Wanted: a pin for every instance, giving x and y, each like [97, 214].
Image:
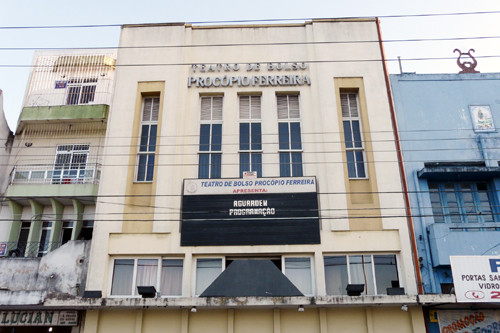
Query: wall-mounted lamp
[300, 308]
[193, 309]
[146, 291]
[355, 289]
[404, 307]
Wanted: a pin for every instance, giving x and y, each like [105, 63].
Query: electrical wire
[251, 21]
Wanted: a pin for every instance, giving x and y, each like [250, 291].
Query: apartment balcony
[69, 88]
[53, 180]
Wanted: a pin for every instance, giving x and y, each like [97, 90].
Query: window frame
[210, 153]
[81, 84]
[157, 286]
[458, 193]
[374, 277]
[147, 153]
[290, 152]
[312, 273]
[251, 120]
[195, 272]
[224, 258]
[350, 119]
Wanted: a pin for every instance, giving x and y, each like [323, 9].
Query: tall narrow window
[290, 142]
[45, 246]
[210, 154]
[353, 135]
[147, 145]
[250, 135]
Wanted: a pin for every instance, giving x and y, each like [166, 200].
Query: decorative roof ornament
[466, 66]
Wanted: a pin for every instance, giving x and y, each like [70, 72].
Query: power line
[265, 61]
[249, 44]
[250, 21]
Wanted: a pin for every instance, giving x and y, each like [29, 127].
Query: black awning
[444, 173]
[251, 278]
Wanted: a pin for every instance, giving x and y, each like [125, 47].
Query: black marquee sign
[260, 211]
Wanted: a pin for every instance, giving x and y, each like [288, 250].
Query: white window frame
[194, 270]
[134, 275]
[211, 122]
[311, 261]
[149, 122]
[289, 120]
[256, 256]
[81, 82]
[251, 120]
[398, 269]
[350, 119]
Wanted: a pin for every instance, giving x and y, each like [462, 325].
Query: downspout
[400, 163]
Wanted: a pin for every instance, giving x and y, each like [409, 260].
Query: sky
[14, 64]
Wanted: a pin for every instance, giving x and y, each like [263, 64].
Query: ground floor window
[376, 272]
[297, 269]
[165, 274]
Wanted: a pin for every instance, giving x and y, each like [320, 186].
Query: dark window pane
[88, 93]
[203, 166]
[356, 132]
[452, 204]
[360, 164]
[73, 95]
[204, 137]
[122, 277]
[151, 167]
[144, 138]
[351, 169]
[347, 134]
[216, 137]
[215, 169]
[283, 136]
[256, 137]
[244, 163]
[285, 165]
[152, 138]
[437, 208]
[386, 272]
[244, 136]
[336, 275]
[295, 136]
[257, 163]
[297, 164]
[141, 169]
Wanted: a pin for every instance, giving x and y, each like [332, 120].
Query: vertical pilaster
[78, 221]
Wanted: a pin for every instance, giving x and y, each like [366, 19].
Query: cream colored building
[250, 176]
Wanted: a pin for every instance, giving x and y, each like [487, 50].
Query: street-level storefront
[38, 321]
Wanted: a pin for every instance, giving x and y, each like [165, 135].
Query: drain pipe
[400, 163]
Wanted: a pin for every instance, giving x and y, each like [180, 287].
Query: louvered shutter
[293, 106]
[206, 108]
[155, 109]
[255, 107]
[282, 107]
[216, 108]
[353, 105]
[146, 110]
[244, 107]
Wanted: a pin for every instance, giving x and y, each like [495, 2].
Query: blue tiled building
[449, 133]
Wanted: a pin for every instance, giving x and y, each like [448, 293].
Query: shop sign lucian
[476, 278]
[261, 211]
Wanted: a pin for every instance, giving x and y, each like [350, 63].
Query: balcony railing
[28, 249]
[55, 174]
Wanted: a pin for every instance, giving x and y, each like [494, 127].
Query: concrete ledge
[232, 302]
